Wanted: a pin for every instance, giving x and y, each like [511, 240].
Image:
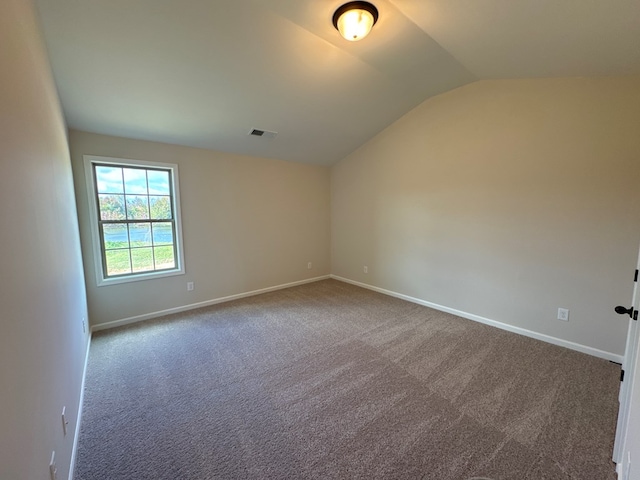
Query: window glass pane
[141, 259]
[117, 262]
[109, 179]
[135, 180]
[164, 257]
[115, 236]
[112, 207]
[137, 207]
[137, 223]
[158, 182]
[160, 207]
[140, 234]
[162, 233]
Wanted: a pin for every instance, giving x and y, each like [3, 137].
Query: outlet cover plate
[53, 468]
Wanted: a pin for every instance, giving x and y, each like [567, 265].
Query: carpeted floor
[328, 380]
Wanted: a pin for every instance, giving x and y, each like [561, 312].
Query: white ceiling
[204, 72]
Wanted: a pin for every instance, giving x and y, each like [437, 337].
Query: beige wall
[248, 223]
[504, 199]
[42, 344]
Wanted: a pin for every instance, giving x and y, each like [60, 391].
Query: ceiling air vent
[262, 133]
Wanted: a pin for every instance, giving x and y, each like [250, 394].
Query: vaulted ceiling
[204, 72]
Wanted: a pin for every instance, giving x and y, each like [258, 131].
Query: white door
[626, 451]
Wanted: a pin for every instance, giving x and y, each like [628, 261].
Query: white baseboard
[504, 326]
[184, 308]
[470, 316]
[76, 435]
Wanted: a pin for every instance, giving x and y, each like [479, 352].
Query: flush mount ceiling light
[354, 20]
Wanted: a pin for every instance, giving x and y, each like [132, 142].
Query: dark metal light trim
[355, 6]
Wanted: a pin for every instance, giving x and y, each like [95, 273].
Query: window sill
[103, 282]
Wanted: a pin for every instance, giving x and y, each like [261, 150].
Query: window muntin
[136, 219]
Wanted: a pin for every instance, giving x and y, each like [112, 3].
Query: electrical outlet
[65, 422]
[563, 314]
[190, 286]
[309, 265]
[53, 468]
[365, 269]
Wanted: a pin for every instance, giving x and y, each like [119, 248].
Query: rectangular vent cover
[262, 133]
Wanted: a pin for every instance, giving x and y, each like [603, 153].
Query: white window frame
[101, 277]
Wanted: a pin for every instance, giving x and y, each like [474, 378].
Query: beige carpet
[328, 380]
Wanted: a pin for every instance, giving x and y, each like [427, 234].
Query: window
[135, 216]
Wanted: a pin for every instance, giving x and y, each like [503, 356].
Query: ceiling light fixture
[354, 20]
